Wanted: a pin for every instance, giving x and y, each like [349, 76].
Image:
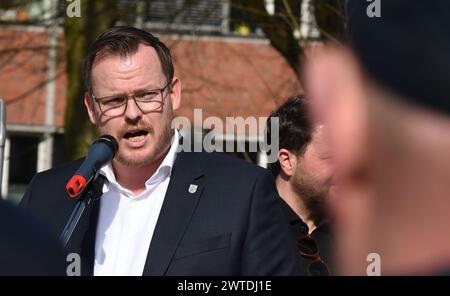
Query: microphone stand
[83, 200]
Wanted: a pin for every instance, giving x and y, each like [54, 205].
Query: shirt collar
[163, 171]
[294, 220]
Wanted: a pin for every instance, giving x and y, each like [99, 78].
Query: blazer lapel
[183, 193]
[82, 240]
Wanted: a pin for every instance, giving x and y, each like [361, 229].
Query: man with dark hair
[162, 212]
[303, 175]
[386, 101]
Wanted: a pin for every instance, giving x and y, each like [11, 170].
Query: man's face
[312, 177]
[142, 137]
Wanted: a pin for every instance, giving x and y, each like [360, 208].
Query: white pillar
[45, 147]
[45, 153]
[5, 175]
[51, 65]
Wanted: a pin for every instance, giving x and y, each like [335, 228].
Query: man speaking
[160, 212]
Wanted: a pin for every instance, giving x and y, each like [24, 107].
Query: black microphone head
[108, 140]
[102, 150]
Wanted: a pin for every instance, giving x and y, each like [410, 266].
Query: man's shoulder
[47, 192]
[222, 163]
[64, 171]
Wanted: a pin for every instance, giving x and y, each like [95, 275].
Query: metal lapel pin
[192, 188]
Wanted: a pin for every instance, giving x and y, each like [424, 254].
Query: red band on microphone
[76, 184]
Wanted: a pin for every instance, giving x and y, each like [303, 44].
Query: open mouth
[135, 136]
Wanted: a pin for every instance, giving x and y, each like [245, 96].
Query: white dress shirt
[127, 221]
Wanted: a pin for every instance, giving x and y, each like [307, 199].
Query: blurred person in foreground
[386, 101]
[162, 211]
[303, 175]
[26, 247]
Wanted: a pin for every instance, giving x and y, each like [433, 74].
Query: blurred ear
[175, 94]
[287, 161]
[89, 107]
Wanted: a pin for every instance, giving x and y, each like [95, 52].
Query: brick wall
[223, 76]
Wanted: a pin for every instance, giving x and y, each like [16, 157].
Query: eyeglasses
[146, 101]
[309, 248]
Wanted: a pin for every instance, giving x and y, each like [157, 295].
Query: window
[22, 164]
[200, 16]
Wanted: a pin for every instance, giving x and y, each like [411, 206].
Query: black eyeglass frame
[125, 98]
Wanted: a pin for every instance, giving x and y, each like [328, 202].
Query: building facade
[227, 68]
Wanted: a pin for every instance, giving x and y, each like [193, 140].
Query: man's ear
[90, 107]
[175, 94]
[287, 161]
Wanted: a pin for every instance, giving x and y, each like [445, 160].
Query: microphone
[102, 150]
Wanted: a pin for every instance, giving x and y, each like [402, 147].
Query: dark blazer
[26, 248]
[231, 225]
